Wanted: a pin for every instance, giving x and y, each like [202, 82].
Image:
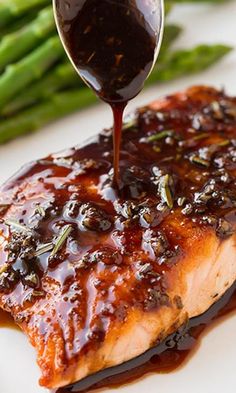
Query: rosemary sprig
[34, 294]
[38, 293]
[200, 136]
[130, 124]
[40, 210]
[3, 268]
[157, 149]
[159, 136]
[43, 248]
[200, 161]
[4, 206]
[18, 226]
[231, 111]
[181, 201]
[165, 191]
[226, 142]
[61, 239]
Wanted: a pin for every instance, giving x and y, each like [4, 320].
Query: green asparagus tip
[184, 62]
[59, 105]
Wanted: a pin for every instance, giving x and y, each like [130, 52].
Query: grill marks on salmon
[96, 277]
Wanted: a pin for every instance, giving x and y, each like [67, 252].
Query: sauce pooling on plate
[113, 45]
[165, 357]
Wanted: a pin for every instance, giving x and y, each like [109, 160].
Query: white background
[213, 368]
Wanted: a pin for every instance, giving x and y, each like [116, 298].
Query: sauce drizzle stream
[113, 45]
[118, 111]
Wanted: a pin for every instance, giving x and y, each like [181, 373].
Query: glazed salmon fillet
[96, 276]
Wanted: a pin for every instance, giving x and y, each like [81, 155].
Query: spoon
[113, 45]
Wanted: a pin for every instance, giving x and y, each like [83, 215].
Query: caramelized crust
[96, 276]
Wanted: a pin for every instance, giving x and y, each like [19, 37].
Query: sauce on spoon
[113, 45]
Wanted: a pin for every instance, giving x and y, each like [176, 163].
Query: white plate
[212, 369]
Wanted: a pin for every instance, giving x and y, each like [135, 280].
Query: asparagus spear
[36, 117]
[168, 6]
[32, 67]
[14, 46]
[64, 103]
[200, 1]
[182, 62]
[9, 10]
[18, 23]
[170, 3]
[64, 76]
[171, 33]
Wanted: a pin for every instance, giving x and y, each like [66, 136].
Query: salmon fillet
[96, 277]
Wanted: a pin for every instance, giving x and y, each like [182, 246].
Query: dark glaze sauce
[112, 43]
[164, 358]
[113, 46]
[77, 258]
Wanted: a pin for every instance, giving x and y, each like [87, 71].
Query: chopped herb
[130, 124]
[159, 136]
[224, 229]
[31, 297]
[215, 106]
[188, 209]
[17, 225]
[231, 111]
[3, 268]
[178, 157]
[3, 207]
[217, 110]
[165, 191]
[157, 149]
[32, 280]
[200, 161]
[200, 136]
[161, 207]
[94, 218]
[38, 293]
[61, 239]
[40, 210]
[181, 201]
[42, 249]
[62, 161]
[168, 159]
[226, 142]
